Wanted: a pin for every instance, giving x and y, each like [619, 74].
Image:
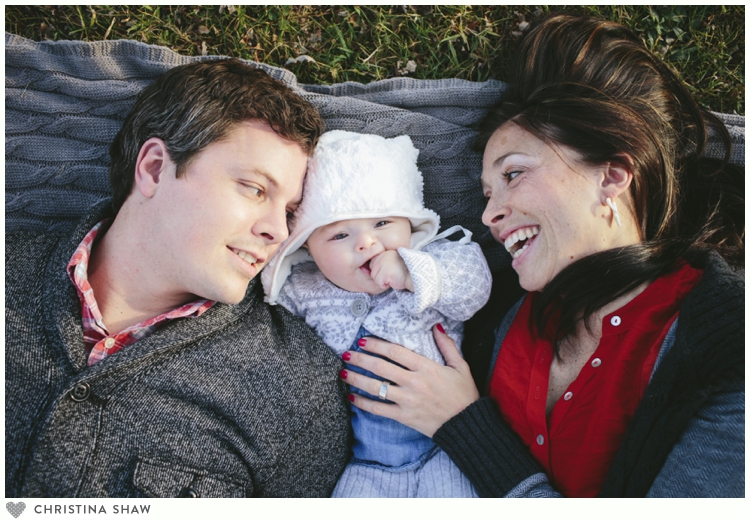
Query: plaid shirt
[99, 343]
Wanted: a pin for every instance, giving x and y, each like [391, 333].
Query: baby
[364, 259]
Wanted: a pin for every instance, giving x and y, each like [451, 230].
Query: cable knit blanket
[66, 100]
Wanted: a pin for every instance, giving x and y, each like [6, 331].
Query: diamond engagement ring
[383, 389]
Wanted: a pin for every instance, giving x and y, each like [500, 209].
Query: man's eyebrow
[273, 182]
[270, 178]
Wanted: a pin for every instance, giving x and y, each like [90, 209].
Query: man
[140, 357]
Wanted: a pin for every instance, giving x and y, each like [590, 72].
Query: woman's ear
[617, 177]
[152, 162]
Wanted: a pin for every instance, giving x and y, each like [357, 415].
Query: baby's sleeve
[451, 277]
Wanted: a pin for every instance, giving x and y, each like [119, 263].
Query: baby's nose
[365, 241]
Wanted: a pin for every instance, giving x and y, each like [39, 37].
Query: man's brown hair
[191, 106]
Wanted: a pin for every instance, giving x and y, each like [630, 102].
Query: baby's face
[343, 250]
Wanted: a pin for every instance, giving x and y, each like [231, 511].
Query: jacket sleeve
[708, 460]
[489, 452]
[451, 277]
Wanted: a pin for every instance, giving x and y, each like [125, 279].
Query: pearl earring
[615, 213]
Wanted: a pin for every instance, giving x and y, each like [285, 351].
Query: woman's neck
[575, 350]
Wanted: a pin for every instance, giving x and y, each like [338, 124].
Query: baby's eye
[382, 223]
[339, 236]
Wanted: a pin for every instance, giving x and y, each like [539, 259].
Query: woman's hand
[425, 394]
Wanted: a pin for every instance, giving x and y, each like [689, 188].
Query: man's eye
[254, 190]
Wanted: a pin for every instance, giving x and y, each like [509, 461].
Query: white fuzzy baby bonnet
[350, 176]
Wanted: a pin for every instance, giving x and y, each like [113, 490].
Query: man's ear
[152, 163]
[617, 177]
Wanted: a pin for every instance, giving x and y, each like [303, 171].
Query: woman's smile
[518, 241]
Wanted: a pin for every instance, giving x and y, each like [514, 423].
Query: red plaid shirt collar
[99, 343]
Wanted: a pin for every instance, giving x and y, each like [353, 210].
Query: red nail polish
[362, 342]
[346, 356]
[351, 397]
[343, 374]
[440, 328]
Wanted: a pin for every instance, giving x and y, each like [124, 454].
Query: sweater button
[568, 396]
[540, 439]
[359, 307]
[616, 320]
[80, 392]
[188, 493]
[596, 362]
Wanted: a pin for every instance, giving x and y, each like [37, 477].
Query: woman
[621, 372]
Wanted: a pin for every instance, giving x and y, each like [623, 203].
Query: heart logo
[15, 509]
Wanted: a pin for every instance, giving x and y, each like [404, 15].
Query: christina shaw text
[72, 509]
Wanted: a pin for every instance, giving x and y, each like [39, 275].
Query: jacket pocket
[156, 478]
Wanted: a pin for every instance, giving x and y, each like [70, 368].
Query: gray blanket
[66, 100]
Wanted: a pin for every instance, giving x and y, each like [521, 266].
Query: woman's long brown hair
[591, 85]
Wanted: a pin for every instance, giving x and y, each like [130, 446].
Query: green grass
[704, 44]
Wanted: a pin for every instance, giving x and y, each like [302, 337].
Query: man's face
[226, 216]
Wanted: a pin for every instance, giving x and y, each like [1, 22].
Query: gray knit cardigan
[242, 401]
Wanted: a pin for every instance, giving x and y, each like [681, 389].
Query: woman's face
[544, 204]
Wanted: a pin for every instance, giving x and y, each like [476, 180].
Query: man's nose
[273, 227]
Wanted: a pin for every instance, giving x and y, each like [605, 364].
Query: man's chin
[231, 296]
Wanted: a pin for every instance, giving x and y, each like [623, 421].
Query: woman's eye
[511, 174]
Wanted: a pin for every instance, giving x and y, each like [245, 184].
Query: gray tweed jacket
[242, 401]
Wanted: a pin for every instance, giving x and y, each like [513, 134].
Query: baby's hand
[388, 270]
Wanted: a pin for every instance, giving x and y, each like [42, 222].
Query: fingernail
[440, 328]
[351, 397]
[343, 374]
[346, 356]
[362, 342]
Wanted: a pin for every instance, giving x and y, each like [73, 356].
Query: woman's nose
[494, 212]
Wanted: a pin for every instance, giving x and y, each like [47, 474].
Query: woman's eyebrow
[500, 159]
